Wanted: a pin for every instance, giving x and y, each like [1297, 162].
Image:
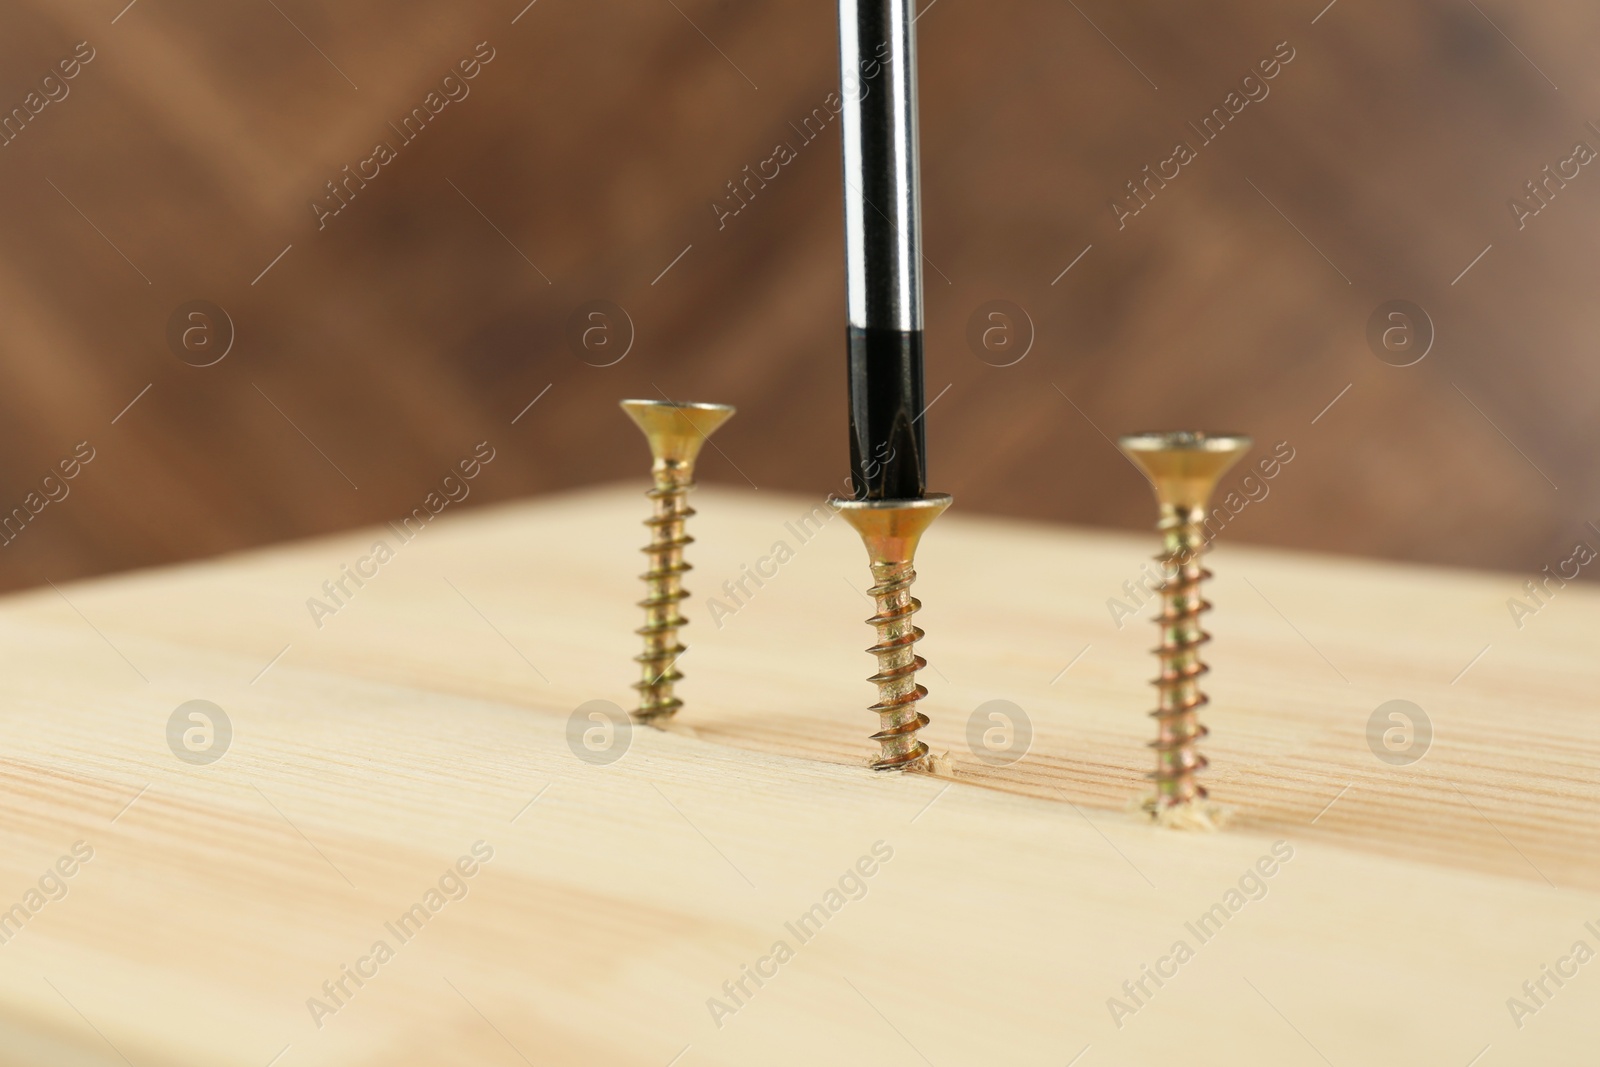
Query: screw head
[676, 430]
[1184, 466]
[891, 528]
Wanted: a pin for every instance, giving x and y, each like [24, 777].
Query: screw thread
[1177, 721]
[898, 663]
[663, 593]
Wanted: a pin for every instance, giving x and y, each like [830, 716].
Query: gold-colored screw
[1183, 468]
[675, 432]
[890, 530]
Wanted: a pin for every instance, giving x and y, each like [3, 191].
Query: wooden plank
[1005, 908]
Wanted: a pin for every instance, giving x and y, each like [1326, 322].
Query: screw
[675, 432]
[890, 530]
[1183, 468]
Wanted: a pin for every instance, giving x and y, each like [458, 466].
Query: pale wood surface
[429, 711]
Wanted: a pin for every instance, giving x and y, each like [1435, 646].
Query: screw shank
[898, 663]
[664, 593]
[1178, 685]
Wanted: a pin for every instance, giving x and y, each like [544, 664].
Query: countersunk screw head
[1184, 466]
[676, 431]
[891, 528]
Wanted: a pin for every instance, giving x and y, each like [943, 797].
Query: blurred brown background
[583, 165]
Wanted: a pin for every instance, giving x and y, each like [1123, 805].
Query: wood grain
[431, 712]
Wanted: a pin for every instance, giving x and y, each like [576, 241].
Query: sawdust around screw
[1206, 816]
